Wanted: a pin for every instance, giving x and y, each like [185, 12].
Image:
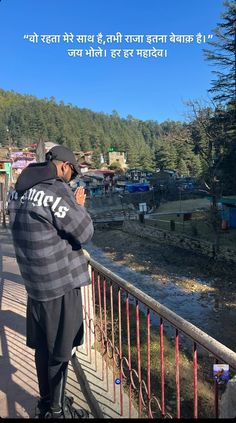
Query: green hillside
[24, 119]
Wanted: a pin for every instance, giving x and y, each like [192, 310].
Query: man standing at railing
[49, 225]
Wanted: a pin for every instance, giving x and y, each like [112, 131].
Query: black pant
[52, 376]
[53, 328]
[56, 325]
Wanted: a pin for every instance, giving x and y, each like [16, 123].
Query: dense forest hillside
[24, 119]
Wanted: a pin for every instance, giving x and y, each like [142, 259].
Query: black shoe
[68, 412]
[42, 407]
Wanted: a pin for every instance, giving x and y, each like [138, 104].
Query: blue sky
[151, 88]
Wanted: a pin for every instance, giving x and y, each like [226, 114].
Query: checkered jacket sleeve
[73, 221]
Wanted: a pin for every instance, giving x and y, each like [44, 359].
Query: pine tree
[195, 168]
[223, 55]
[97, 158]
[133, 157]
[182, 168]
[166, 156]
[3, 134]
[146, 158]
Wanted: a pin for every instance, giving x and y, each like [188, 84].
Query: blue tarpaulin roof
[137, 187]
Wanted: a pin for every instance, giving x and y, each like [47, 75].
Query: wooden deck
[18, 381]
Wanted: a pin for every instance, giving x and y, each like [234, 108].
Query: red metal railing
[164, 363]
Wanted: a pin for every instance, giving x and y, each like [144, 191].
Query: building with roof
[117, 157]
[228, 211]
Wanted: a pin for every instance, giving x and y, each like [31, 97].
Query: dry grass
[184, 205]
[205, 382]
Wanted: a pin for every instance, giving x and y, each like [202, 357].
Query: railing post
[177, 380]
[162, 368]
[195, 380]
[87, 304]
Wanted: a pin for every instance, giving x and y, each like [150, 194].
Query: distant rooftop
[228, 200]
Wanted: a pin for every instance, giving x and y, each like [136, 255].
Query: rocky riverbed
[198, 289]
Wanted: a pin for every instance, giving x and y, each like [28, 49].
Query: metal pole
[2, 186]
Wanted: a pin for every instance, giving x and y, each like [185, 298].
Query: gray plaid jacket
[48, 228]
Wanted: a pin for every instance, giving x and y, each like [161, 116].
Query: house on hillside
[84, 160]
[163, 177]
[93, 183]
[84, 157]
[83, 168]
[105, 172]
[5, 176]
[138, 175]
[117, 157]
[20, 160]
[228, 212]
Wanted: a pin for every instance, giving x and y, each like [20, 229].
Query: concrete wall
[182, 241]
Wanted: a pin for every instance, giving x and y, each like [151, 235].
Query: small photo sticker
[221, 372]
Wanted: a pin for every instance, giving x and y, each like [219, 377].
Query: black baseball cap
[64, 154]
